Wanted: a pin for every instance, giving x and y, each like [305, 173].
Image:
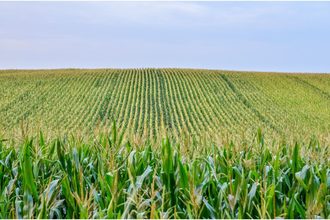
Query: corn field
[108, 177]
[153, 103]
[163, 143]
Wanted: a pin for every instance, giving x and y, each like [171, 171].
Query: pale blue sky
[263, 36]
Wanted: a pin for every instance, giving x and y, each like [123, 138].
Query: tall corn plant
[109, 178]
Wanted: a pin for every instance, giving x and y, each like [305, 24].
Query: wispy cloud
[193, 14]
[235, 35]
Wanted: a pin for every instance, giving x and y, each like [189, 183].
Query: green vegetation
[107, 178]
[213, 163]
[158, 102]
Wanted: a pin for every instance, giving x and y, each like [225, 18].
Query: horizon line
[135, 68]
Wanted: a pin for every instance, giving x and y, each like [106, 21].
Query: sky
[253, 36]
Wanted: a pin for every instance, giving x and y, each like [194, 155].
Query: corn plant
[109, 177]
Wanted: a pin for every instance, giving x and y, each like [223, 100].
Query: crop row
[151, 102]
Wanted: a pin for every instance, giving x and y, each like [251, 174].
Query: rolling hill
[229, 169]
[155, 102]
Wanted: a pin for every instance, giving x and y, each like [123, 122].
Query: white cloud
[188, 14]
[192, 15]
[162, 33]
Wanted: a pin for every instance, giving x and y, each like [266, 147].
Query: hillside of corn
[164, 143]
[153, 103]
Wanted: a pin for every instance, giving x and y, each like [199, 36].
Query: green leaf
[28, 178]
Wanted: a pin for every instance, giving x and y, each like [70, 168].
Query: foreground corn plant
[108, 178]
